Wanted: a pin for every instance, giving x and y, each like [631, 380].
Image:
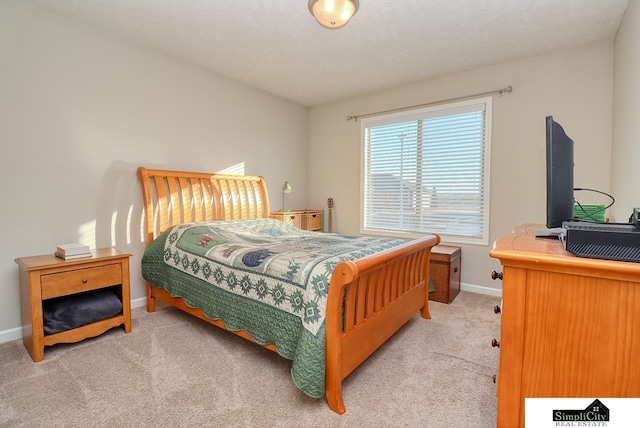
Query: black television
[559, 175]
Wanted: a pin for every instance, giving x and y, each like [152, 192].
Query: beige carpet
[177, 371]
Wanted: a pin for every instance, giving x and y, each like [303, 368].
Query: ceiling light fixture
[333, 14]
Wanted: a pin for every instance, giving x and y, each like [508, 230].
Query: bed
[325, 301]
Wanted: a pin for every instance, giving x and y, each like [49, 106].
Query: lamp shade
[333, 14]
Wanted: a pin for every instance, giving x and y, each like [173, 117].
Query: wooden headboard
[174, 197]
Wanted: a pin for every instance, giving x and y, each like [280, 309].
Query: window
[427, 171]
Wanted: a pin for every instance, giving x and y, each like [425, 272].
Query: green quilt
[262, 276]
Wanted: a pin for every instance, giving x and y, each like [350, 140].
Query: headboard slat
[174, 198]
[243, 201]
[198, 203]
[187, 199]
[162, 207]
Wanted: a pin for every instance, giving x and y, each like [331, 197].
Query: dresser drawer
[312, 221]
[75, 281]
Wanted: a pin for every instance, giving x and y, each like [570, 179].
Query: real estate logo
[619, 412]
[595, 414]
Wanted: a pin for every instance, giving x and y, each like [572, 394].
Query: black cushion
[65, 313]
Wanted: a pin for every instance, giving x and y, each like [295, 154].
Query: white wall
[80, 110]
[575, 86]
[625, 164]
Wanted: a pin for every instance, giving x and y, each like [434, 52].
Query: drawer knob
[84, 280]
[497, 309]
[494, 378]
[496, 275]
[495, 343]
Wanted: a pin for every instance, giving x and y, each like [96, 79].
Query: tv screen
[559, 175]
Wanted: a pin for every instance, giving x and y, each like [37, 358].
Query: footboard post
[342, 275]
[151, 300]
[424, 311]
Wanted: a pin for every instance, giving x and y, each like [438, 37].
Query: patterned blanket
[262, 276]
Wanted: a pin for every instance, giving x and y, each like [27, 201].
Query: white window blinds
[427, 170]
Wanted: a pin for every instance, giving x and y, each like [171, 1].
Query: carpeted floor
[174, 370]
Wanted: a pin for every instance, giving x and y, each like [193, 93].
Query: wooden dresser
[570, 326]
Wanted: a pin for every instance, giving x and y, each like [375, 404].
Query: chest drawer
[312, 221]
[76, 281]
[294, 219]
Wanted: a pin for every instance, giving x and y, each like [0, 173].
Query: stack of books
[72, 251]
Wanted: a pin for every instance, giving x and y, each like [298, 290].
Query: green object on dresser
[589, 212]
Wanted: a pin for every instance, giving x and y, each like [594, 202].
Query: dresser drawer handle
[495, 343]
[455, 269]
[84, 280]
[497, 309]
[496, 275]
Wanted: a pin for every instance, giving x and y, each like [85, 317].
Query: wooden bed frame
[383, 291]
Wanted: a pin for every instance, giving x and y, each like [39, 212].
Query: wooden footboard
[380, 294]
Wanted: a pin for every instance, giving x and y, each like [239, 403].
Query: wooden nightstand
[47, 277]
[302, 219]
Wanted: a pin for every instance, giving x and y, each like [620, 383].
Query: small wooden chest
[312, 220]
[444, 270]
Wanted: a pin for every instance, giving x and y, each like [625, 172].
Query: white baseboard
[138, 303]
[16, 333]
[11, 334]
[481, 289]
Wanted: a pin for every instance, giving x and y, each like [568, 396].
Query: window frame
[427, 112]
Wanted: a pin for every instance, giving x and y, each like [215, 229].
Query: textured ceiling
[276, 45]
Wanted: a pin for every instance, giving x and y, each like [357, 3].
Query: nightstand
[48, 277]
[302, 219]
